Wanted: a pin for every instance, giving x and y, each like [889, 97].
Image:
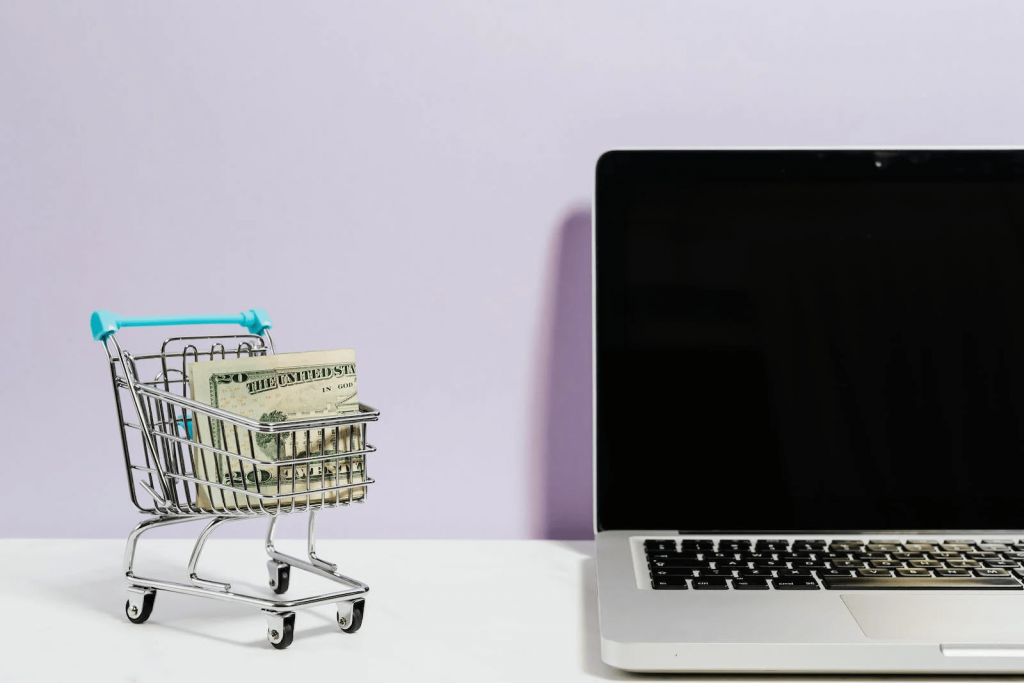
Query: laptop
[809, 410]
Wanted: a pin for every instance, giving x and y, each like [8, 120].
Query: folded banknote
[277, 388]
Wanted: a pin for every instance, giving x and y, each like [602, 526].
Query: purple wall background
[434, 159]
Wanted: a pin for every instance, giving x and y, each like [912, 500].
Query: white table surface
[437, 611]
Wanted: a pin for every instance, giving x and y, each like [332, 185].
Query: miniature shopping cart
[170, 475]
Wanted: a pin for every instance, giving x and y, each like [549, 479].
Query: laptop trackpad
[940, 618]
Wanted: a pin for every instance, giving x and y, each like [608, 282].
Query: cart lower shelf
[280, 614]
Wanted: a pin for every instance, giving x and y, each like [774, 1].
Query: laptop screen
[810, 340]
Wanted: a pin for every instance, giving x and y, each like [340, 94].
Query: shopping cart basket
[170, 477]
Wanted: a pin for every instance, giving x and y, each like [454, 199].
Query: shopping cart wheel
[280, 573]
[354, 618]
[281, 629]
[139, 605]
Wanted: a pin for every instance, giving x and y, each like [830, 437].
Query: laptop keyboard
[840, 564]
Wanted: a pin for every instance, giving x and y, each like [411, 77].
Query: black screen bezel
[620, 173]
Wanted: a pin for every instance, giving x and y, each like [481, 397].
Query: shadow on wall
[567, 465]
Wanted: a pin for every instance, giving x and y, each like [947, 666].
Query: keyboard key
[672, 571]
[1019, 573]
[692, 544]
[808, 545]
[1005, 564]
[710, 583]
[715, 572]
[918, 547]
[913, 572]
[932, 583]
[750, 584]
[660, 545]
[770, 564]
[956, 547]
[794, 572]
[993, 547]
[847, 564]
[772, 547]
[1014, 556]
[853, 546]
[991, 571]
[887, 564]
[729, 545]
[669, 584]
[885, 547]
[961, 541]
[719, 556]
[904, 557]
[983, 555]
[671, 555]
[962, 564]
[731, 564]
[953, 572]
[679, 564]
[809, 564]
[833, 572]
[874, 572]
[757, 556]
[795, 557]
[925, 564]
[944, 556]
[871, 556]
[753, 573]
[795, 583]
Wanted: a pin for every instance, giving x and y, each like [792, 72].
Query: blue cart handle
[105, 323]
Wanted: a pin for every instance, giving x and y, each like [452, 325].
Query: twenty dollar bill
[277, 388]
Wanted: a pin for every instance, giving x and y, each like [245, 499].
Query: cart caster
[280, 574]
[350, 618]
[139, 605]
[281, 629]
